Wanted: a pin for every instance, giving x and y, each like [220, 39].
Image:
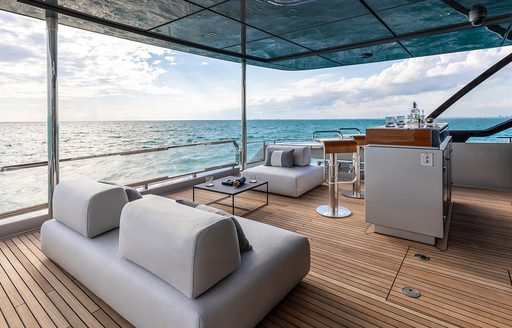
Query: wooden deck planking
[355, 279]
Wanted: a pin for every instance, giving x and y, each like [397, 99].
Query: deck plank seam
[314, 308]
[24, 264]
[29, 289]
[61, 282]
[13, 306]
[63, 298]
[314, 295]
[366, 230]
[100, 308]
[398, 272]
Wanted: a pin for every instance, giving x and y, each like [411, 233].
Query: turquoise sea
[26, 142]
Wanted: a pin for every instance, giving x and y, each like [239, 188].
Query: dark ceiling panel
[206, 3]
[276, 34]
[352, 30]
[270, 48]
[210, 29]
[383, 52]
[313, 62]
[476, 38]
[420, 16]
[494, 7]
[142, 14]
[283, 19]
[386, 4]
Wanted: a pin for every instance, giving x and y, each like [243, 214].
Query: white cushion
[301, 154]
[288, 181]
[88, 207]
[280, 259]
[190, 249]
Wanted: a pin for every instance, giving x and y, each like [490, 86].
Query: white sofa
[250, 285]
[289, 181]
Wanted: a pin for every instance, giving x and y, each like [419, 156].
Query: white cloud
[90, 65]
[171, 60]
[107, 78]
[430, 80]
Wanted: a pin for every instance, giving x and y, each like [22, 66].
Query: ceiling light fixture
[288, 2]
[477, 15]
[366, 55]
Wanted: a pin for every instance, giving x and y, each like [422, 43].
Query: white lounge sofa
[289, 181]
[178, 249]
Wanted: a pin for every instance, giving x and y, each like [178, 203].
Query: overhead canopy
[289, 34]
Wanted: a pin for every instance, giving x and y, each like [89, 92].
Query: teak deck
[355, 278]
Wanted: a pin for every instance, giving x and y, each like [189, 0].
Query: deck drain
[422, 257]
[411, 292]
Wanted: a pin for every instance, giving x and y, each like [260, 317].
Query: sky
[105, 78]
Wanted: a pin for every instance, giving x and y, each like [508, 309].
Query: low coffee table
[231, 192]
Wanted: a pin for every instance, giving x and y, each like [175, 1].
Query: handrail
[338, 132]
[122, 153]
[464, 135]
[144, 184]
[266, 141]
[350, 129]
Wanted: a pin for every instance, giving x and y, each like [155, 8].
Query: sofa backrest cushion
[88, 207]
[188, 248]
[301, 154]
[131, 193]
[243, 242]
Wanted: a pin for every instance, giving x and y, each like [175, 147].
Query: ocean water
[26, 142]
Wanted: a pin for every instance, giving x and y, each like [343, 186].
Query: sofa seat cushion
[88, 207]
[301, 154]
[190, 249]
[288, 181]
[279, 261]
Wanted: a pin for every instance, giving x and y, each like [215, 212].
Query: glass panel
[27, 187]
[283, 19]
[22, 94]
[485, 106]
[142, 14]
[383, 52]
[343, 32]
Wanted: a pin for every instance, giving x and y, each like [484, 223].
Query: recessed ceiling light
[366, 55]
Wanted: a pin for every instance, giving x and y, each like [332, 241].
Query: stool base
[353, 194]
[325, 210]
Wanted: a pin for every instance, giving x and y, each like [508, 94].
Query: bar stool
[357, 191]
[332, 147]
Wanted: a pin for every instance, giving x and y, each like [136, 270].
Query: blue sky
[104, 78]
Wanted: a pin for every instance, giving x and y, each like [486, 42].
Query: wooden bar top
[419, 136]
